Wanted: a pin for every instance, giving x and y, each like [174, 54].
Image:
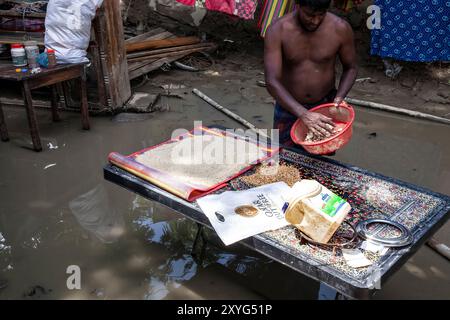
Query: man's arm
[273, 64]
[347, 56]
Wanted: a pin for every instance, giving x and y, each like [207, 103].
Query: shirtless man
[300, 57]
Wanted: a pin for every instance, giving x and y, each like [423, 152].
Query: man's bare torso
[309, 58]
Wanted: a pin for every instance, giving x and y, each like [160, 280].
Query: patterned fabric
[244, 9]
[413, 30]
[283, 120]
[272, 10]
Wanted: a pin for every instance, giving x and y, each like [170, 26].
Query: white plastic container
[32, 51]
[19, 56]
[315, 210]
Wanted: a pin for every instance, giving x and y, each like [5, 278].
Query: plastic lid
[50, 51]
[16, 46]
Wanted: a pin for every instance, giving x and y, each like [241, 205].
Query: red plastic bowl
[344, 116]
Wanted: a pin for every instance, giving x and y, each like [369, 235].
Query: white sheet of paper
[355, 258]
[375, 248]
[268, 198]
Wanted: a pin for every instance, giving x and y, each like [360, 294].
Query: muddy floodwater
[57, 211]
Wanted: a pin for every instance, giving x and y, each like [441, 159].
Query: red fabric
[242, 8]
[187, 2]
[226, 6]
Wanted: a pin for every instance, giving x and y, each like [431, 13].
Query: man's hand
[317, 123]
[339, 101]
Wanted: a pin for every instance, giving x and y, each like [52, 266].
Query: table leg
[31, 115]
[55, 104]
[66, 93]
[3, 130]
[84, 102]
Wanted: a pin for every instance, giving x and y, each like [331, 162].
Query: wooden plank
[170, 54]
[54, 78]
[154, 65]
[10, 37]
[150, 67]
[8, 71]
[109, 34]
[155, 34]
[11, 13]
[97, 65]
[172, 49]
[136, 65]
[157, 44]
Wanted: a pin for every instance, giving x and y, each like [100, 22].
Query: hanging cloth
[413, 30]
[244, 9]
[273, 10]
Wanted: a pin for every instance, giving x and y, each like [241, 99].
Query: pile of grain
[317, 136]
[266, 174]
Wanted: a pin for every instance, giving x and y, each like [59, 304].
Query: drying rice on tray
[202, 160]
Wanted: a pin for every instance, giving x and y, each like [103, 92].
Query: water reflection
[94, 212]
[177, 236]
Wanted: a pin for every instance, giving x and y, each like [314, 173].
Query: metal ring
[404, 239]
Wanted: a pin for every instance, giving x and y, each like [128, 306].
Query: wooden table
[428, 213]
[47, 77]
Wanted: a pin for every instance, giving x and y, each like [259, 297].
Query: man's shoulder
[283, 23]
[339, 24]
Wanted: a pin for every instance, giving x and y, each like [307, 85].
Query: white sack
[269, 199]
[68, 28]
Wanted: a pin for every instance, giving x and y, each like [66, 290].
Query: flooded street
[56, 210]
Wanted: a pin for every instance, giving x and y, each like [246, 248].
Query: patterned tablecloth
[370, 195]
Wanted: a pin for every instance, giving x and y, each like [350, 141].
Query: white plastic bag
[68, 28]
[232, 227]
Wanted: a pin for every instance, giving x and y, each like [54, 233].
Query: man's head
[312, 13]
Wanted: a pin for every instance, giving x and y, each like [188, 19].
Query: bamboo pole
[384, 107]
[227, 112]
[440, 248]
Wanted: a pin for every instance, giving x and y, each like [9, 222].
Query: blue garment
[413, 30]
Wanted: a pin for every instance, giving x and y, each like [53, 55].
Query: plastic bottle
[19, 56]
[316, 210]
[51, 58]
[32, 51]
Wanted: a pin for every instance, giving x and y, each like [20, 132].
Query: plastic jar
[316, 210]
[32, 51]
[19, 56]
[51, 58]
